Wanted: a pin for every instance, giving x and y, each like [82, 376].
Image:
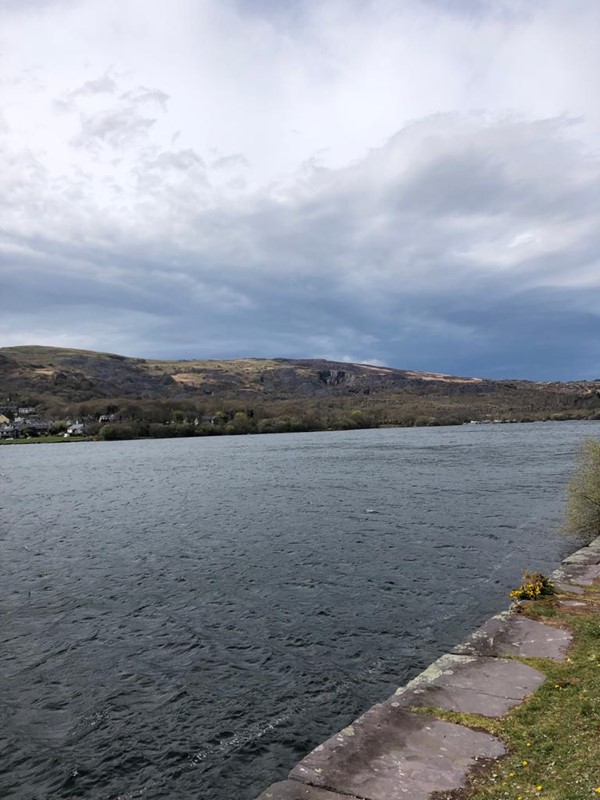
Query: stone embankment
[393, 753]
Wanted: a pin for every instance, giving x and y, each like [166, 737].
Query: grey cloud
[480, 9]
[26, 6]
[179, 160]
[105, 84]
[176, 179]
[543, 333]
[228, 162]
[457, 246]
[142, 95]
[124, 124]
[446, 166]
[116, 128]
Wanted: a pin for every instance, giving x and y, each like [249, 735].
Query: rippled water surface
[187, 618]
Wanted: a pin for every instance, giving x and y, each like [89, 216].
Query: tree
[583, 492]
[116, 432]
[240, 424]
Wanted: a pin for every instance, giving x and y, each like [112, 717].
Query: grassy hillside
[71, 383]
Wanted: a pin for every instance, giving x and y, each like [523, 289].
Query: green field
[45, 440]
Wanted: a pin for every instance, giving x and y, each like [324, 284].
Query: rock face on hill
[45, 376]
[80, 375]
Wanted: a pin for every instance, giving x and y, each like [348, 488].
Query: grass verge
[46, 439]
[553, 738]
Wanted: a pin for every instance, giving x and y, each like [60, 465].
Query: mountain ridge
[60, 381]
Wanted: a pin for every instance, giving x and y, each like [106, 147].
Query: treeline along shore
[65, 392]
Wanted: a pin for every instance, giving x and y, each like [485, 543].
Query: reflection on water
[187, 618]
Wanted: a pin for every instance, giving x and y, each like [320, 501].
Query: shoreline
[221, 434]
[47, 440]
[430, 738]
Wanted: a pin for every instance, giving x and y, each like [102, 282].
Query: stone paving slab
[573, 574]
[469, 684]
[568, 588]
[588, 575]
[294, 790]
[513, 635]
[567, 574]
[580, 558]
[573, 604]
[587, 555]
[393, 754]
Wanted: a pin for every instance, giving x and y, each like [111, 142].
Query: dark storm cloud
[542, 334]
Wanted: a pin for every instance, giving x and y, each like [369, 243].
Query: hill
[61, 383]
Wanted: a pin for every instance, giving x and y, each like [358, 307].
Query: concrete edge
[581, 567]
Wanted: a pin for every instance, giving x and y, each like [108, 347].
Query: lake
[186, 618]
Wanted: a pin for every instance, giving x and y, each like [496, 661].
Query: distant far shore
[126, 434]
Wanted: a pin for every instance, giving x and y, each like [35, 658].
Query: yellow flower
[523, 763]
[539, 788]
[528, 744]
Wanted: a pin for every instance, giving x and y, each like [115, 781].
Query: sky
[413, 183]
